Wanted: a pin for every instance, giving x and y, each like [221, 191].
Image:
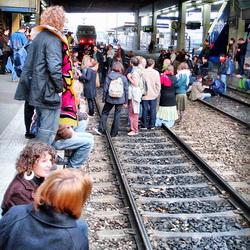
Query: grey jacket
[41, 78]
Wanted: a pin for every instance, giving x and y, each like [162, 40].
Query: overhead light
[218, 2]
[192, 8]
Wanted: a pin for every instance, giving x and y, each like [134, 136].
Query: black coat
[89, 82]
[41, 78]
[167, 98]
[24, 228]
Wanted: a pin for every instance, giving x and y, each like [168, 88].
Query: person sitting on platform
[33, 165]
[52, 220]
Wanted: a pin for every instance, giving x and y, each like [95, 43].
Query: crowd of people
[58, 85]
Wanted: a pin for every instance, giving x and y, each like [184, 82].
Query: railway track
[165, 200]
[236, 109]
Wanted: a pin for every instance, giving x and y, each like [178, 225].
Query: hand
[125, 105]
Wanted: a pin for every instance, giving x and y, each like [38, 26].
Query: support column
[154, 25]
[182, 21]
[16, 17]
[137, 35]
[206, 11]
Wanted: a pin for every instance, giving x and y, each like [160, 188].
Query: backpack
[116, 88]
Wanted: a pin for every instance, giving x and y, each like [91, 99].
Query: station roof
[94, 6]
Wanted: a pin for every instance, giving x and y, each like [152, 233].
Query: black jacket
[41, 78]
[24, 228]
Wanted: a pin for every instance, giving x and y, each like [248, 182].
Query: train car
[85, 35]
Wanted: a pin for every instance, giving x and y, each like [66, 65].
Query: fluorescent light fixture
[218, 2]
[192, 8]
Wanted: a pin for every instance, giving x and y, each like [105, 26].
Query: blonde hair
[85, 61]
[66, 191]
[54, 16]
[182, 66]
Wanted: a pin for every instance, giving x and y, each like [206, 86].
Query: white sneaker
[97, 131]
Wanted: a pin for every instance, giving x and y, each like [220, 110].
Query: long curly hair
[54, 16]
[31, 154]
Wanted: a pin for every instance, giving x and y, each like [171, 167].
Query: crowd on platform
[58, 85]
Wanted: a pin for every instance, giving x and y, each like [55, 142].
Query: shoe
[143, 128]
[97, 131]
[29, 136]
[152, 128]
[61, 161]
[132, 133]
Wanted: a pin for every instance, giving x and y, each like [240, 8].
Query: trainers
[143, 128]
[133, 133]
[97, 131]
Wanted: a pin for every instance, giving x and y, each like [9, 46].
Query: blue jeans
[206, 95]
[104, 116]
[230, 70]
[148, 108]
[82, 125]
[81, 145]
[224, 79]
[47, 123]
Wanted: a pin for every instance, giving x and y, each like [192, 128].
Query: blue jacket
[106, 98]
[24, 228]
[218, 85]
[17, 40]
[181, 85]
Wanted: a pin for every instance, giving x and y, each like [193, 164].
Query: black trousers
[104, 116]
[5, 56]
[28, 113]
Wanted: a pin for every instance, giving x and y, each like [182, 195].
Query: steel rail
[236, 100]
[225, 113]
[233, 196]
[140, 233]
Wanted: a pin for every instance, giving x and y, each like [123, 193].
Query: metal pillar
[206, 11]
[182, 21]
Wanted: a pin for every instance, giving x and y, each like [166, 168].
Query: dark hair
[117, 67]
[232, 39]
[134, 60]
[222, 54]
[150, 62]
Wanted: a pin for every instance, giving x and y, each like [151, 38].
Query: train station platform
[12, 139]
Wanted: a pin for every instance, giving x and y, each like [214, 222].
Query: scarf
[68, 113]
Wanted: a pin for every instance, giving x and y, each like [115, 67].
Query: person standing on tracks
[167, 113]
[149, 101]
[121, 52]
[180, 89]
[134, 95]
[88, 78]
[97, 55]
[118, 98]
